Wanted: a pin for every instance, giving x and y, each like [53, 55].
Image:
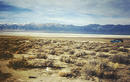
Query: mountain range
[61, 28]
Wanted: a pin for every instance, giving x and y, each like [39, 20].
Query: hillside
[58, 28]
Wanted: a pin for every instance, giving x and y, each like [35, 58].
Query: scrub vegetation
[70, 59]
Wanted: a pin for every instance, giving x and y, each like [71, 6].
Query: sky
[75, 12]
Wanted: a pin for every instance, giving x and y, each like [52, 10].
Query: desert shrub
[120, 58]
[114, 47]
[101, 70]
[42, 64]
[65, 74]
[101, 54]
[66, 49]
[80, 54]
[127, 46]
[71, 52]
[105, 71]
[53, 41]
[113, 51]
[80, 63]
[59, 52]
[93, 62]
[113, 65]
[105, 50]
[4, 76]
[32, 57]
[21, 63]
[97, 49]
[91, 53]
[67, 59]
[89, 71]
[42, 56]
[75, 72]
[48, 63]
[5, 55]
[52, 52]
[123, 50]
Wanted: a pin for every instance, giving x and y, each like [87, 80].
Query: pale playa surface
[40, 34]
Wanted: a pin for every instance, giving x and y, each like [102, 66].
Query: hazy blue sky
[77, 12]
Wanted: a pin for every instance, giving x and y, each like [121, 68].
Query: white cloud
[79, 12]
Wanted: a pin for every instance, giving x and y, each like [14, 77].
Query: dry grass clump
[121, 58]
[5, 55]
[67, 59]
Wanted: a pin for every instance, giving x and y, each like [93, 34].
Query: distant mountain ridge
[60, 28]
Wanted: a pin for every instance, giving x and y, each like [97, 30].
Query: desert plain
[63, 59]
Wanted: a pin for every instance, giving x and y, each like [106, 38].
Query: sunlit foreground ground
[63, 59]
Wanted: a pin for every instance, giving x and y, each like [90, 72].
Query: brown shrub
[113, 51]
[5, 55]
[67, 59]
[100, 70]
[52, 52]
[89, 71]
[123, 50]
[121, 58]
[80, 54]
[76, 72]
[4, 76]
[80, 63]
[91, 53]
[105, 71]
[65, 74]
[21, 63]
[71, 52]
[105, 50]
[42, 56]
[48, 63]
[101, 54]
